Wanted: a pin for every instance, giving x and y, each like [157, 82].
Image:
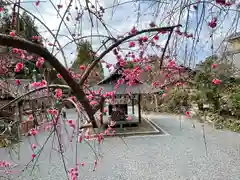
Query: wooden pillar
[110, 108]
[156, 102]
[102, 111]
[19, 122]
[34, 109]
[133, 105]
[139, 108]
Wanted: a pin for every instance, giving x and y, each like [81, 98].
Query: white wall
[230, 53]
[234, 59]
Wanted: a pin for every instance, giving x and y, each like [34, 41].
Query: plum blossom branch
[6, 40]
[60, 24]
[33, 91]
[95, 62]
[165, 48]
[84, 37]
[45, 27]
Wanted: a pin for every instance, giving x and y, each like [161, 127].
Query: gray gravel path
[180, 155]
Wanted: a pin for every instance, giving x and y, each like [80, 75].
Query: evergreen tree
[84, 57]
[5, 18]
[28, 29]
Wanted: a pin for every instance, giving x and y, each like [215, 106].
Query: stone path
[180, 155]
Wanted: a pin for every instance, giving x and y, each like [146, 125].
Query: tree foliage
[223, 97]
[5, 21]
[25, 26]
[28, 29]
[85, 56]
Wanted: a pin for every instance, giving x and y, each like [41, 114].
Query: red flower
[74, 98]
[59, 76]
[58, 93]
[12, 33]
[15, 50]
[148, 68]
[37, 3]
[39, 62]
[134, 30]
[152, 24]
[188, 114]
[33, 132]
[93, 102]
[33, 156]
[171, 63]
[82, 67]
[18, 82]
[214, 66]
[19, 67]
[36, 38]
[43, 82]
[216, 81]
[34, 146]
[95, 164]
[164, 94]
[131, 44]
[30, 118]
[156, 37]
[129, 118]
[213, 23]
[59, 6]
[144, 38]
[71, 123]
[80, 139]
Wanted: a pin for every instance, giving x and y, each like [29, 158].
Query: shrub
[176, 101]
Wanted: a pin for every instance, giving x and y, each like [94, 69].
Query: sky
[120, 20]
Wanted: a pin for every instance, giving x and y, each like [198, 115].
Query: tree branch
[60, 47]
[165, 48]
[6, 40]
[94, 63]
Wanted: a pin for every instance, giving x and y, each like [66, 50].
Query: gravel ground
[179, 155]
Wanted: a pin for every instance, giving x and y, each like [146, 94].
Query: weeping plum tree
[168, 35]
